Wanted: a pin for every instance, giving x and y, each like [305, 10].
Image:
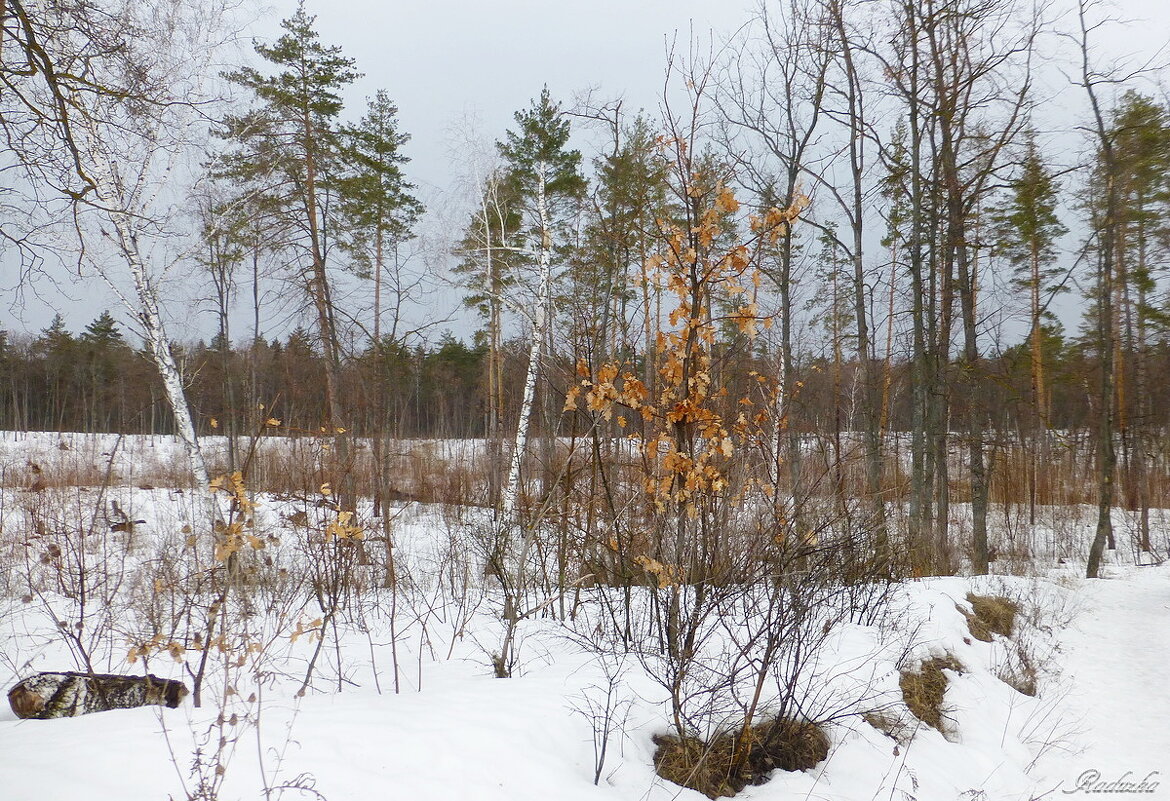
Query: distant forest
[96, 380]
[851, 220]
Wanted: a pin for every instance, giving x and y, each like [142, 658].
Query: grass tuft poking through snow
[728, 764]
[925, 690]
[990, 614]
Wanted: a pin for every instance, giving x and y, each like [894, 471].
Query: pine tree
[610, 281]
[288, 148]
[103, 349]
[1027, 229]
[377, 207]
[546, 178]
[1141, 131]
[58, 349]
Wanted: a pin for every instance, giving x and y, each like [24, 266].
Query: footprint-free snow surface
[1116, 654]
[1099, 726]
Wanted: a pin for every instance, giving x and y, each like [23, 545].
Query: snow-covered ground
[1116, 653]
[452, 731]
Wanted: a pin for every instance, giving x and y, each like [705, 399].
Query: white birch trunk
[164, 361]
[510, 495]
[509, 517]
[146, 310]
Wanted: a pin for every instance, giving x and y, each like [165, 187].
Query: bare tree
[119, 92]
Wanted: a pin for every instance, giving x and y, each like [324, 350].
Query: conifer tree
[546, 177]
[1142, 138]
[287, 148]
[610, 273]
[377, 207]
[1027, 230]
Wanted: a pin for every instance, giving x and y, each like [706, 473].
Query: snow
[455, 732]
[1117, 652]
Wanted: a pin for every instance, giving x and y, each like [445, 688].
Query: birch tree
[111, 118]
[487, 269]
[547, 176]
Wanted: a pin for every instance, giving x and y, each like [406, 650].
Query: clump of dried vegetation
[990, 614]
[925, 689]
[894, 726]
[734, 760]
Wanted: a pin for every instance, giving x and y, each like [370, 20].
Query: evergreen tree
[540, 164]
[1141, 138]
[377, 206]
[610, 284]
[103, 333]
[290, 148]
[102, 349]
[1027, 229]
[548, 181]
[57, 347]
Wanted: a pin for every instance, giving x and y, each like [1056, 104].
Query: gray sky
[440, 60]
[445, 60]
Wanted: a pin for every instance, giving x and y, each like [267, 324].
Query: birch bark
[510, 496]
[118, 203]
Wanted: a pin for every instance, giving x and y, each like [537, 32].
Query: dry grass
[896, 728]
[991, 614]
[727, 765]
[925, 690]
[1020, 672]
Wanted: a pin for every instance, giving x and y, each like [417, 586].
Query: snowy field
[401, 702]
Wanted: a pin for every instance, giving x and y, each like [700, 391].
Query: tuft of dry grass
[729, 763]
[925, 690]
[1020, 672]
[991, 614]
[896, 728]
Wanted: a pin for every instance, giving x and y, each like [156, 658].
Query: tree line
[854, 204]
[96, 380]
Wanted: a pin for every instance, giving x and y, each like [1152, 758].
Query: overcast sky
[440, 59]
[443, 61]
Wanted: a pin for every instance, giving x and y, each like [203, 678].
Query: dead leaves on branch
[236, 533]
[683, 438]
